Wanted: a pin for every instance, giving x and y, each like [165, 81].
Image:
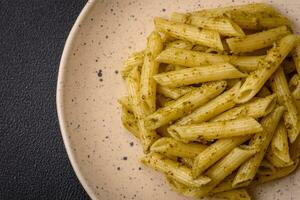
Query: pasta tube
[261, 141]
[215, 152]
[224, 26]
[147, 137]
[172, 147]
[173, 169]
[278, 153]
[291, 117]
[215, 130]
[174, 93]
[149, 69]
[255, 81]
[257, 40]
[190, 33]
[256, 108]
[237, 194]
[198, 75]
[223, 168]
[214, 107]
[136, 59]
[184, 105]
[190, 58]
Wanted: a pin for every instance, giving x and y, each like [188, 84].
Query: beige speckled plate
[103, 154]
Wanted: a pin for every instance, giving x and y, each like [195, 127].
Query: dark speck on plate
[124, 158]
[99, 73]
[164, 10]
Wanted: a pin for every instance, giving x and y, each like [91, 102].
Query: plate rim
[59, 95]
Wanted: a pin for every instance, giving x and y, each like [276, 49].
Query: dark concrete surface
[33, 160]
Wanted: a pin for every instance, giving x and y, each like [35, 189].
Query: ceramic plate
[103, 154]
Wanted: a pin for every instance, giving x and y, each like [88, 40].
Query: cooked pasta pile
[214, 99]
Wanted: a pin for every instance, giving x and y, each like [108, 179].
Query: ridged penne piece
[221, 103]
[209, 131]
[280, 173]
[222, 25]
[261, 141]
[184, 104]
[190, 58]
[257, 108]
[147, 137]
[129, 122]
[226, 185]
[278, 153]
[174, 93]
[171, 147]
[196, 75]
[252, 8]
[285, 98]
[179, 17]
[255, 81]
[257, 40]
[190, 33]
[237, 194]
[149, 69]
[136, 59]
[294, 86]
[296, 55]
[125, 102]
[223, 168]
[215, 152]
[266, 168]
[180, 44]
[174, 169]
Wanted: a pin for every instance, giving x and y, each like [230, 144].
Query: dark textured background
[33, 161]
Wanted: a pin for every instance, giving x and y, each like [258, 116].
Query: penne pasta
[171, 147]
[149, 69]
[278, 153]
[174, 93]
[215, 152]
[222, 25]
[209, 131]
[180, 44]
[248, 170]
[190, 58]
[196, 75]
[184, 105]
[255, 81]
[237, 194]
[291, 117]
[173, 169]
[129, 122]
[136, 59]
[214, 99]
[296, 55]
[257, 40]
[280, 173]
[190, 33]
[221, 103]
[256, 108]
[222, 169]
[147, 137]
[266, 168]
[125, 102]
[294, 86]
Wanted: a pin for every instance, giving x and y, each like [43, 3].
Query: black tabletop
[33, 160]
